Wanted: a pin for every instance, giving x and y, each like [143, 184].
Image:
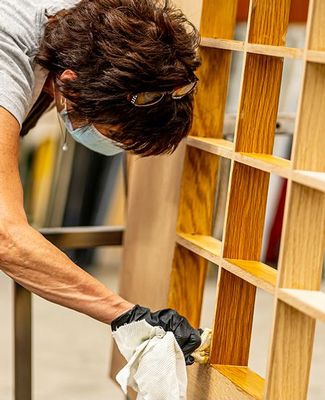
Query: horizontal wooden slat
[268, 50]
[224, 383]
[309, 302]
[84, 237]
[204, 246]
[265, 162]
[225, 44]
[220, 147]
[254, 272]
[316, 56]
[314, 180]
[275, 51]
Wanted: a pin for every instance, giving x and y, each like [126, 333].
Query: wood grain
[259, 104]
[269, 22]
[317, 26]
[246, 213]
[187, 284]
[302, 248]
[210, 100]
[224, 383]
[218, 19]
[310, 139]
[234, 314]
[290, 356]
[197, 192]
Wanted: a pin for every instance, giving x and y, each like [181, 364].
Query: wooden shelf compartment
[309, 302]
[254, 48]
[314, 180]
[209, 248]
[220, 147]
[226, 382]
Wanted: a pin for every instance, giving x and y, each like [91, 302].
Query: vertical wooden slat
[317, 33]
[23, 343]
[269, 22]
[290, 358]
[310, 142]
[302, 244]
[259, 104]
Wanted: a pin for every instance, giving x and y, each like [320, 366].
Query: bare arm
[30, 259]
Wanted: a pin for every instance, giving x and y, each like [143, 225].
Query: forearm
[33, 262]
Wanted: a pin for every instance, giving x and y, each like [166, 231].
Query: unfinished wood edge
[315, 56]
[275, 51]
[224, 383]
[222, 44]
[311, 179]
[219, 147]
[309, 302]
[309, 24]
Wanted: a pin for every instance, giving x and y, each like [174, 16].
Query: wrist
[121, 307]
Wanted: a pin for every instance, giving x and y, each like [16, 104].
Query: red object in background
[298, 13]
[273, 247]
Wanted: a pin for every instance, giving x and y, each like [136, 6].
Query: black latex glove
[188, 338]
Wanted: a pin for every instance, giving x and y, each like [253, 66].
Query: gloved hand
[188, 338]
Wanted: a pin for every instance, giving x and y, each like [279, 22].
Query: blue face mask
[90, 137]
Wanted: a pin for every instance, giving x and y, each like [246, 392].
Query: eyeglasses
[147, 99]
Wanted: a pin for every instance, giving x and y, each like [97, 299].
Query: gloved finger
[192, 343]
[189, 360]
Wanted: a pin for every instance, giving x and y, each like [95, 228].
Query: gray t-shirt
[21, 28]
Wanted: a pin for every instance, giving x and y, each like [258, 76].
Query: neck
[48, 86]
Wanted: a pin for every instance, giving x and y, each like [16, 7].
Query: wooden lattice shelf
[296, 284]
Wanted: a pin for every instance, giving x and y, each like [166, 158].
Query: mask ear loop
[65, 146]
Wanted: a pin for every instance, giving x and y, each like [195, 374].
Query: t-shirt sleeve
[17, 35]
[16, 79]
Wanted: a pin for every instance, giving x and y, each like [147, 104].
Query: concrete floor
[71, 351]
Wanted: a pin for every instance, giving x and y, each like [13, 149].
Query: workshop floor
[71, 351]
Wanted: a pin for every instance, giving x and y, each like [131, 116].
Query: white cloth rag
[156, 367]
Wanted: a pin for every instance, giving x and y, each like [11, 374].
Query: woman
[121, 73]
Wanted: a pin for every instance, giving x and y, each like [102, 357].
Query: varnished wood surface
[210, 101]
[269, 22]
[235, 309]
[187, 284]
[219, 19]
[246, 212]
[197, 192]
[259, 104]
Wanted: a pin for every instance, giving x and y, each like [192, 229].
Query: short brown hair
[122, 47]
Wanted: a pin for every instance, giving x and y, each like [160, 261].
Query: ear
[67, 75]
